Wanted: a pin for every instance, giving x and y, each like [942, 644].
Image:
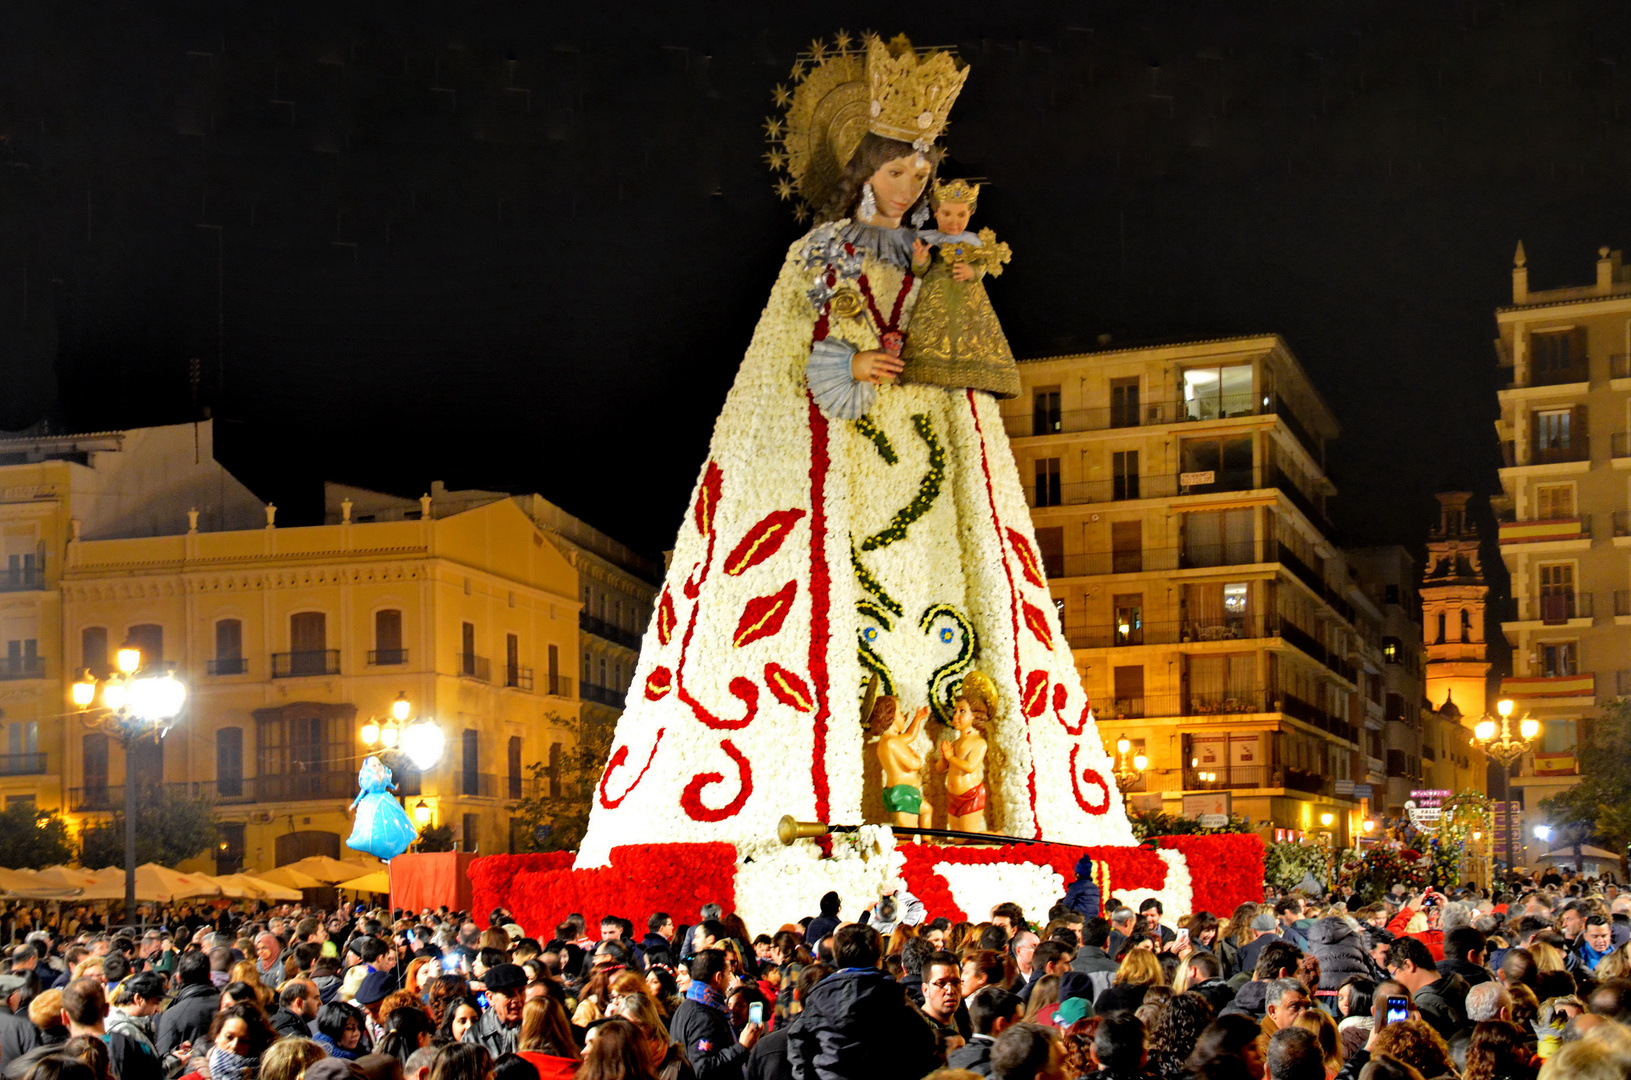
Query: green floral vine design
[872, 662]
[886, 449]
[942, 686]
[872, 584]
[928, 489]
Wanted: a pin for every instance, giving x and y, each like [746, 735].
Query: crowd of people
[1529, 983]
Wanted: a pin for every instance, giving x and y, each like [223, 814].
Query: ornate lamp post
[1328, 842]
[1499, 745]
[421, 741]
[138, 702]
[1127, 772]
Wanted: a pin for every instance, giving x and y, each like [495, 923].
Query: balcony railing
[23, 578]
[604, 695]
[290, 665]
[22, 764]
[1620, 444]
[1619, 365]
[1099, 636]
[22, 667]
[1298, 638]
[387, 657]
[1150, 486]
[557, 686]
[518, 677]
[478, 785]
[611, 632]
[227, 665]
[475, 667]
[1022, 423]
[1235, 777]
[1309, 713]
[1622, 523]
[1578, 448]
[1553, 610]
[272, 787]
[1138, 560]
[1622, 602]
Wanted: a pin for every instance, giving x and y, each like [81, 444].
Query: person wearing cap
[1264, 926]
[500, 1025]
[17, 1035]
[370, 992]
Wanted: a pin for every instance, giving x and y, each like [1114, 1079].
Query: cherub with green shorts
[900, 761]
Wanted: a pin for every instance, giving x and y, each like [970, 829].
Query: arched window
[229, 648]
[388, 638]
[1441, 638]
[149, 638]
[93, 650]
[1466, 625]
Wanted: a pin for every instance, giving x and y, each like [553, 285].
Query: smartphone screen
[1398, 1009]
[756, 1012]
[1183, 937]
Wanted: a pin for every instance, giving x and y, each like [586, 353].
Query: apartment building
[1564, 356]
[1178, 494]
[1393, 692]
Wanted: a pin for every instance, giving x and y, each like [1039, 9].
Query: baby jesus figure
[955, 339]
[963, 759]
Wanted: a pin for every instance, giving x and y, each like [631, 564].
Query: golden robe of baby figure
[955, 338]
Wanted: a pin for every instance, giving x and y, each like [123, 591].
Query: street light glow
[155, 697]
[1543, 832]
[129, 659]
[423, 743]
[1484, 730]
[400, 707]
[1504, 707]
[1529, 727]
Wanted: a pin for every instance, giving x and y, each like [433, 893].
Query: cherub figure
[963, 759]
[900, 761]
[955, 338]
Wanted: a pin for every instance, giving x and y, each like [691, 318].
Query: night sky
[523, 247]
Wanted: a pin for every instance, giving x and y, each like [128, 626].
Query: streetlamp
[1329, 841]
[1128, 773]
[420, 741]
[1499, 744]
[138, 701]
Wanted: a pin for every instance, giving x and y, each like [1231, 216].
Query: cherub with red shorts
[963, 759]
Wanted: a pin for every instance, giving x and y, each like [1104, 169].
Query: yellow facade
[1565, 513]
[290, 639]
[1177, 494]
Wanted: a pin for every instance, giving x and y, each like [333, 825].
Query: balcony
[1622, 603]
[603, 695]
[558, 686]
[1024, 423]
[1619, 366]
[1537, 530]
[387, 657]
[1096, 636]
[1300, 639]
[1314, 580]
[1236, 777]
[478, 785]
[274, 787]
[227, 665]
[475, 667]
[22, 764]
[1139, 560]
[1622, 523]
[1151, 486]
[603, 629]
[21, 667]
[1578, 448]
[23, 578]
[517, 677]
[293, 665]
[1620, 444]
[1308, 713]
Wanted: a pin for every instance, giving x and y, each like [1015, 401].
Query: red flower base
[1226, 870]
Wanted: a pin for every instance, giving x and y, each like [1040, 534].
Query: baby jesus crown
[911, 96]
[956, 191]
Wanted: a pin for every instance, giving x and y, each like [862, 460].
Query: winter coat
[1442, 1003]
[1472, 973]
[856, 1026]
[1340, 950]
[704, 1034]
[1250, 1000]
[1217, 993]
[188, 1018]
[975, 1057]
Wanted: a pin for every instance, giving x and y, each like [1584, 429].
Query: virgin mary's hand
[875, 366]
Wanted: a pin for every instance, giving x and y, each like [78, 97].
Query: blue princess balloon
[382, 829]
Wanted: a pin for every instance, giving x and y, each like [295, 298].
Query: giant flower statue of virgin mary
[847, 530]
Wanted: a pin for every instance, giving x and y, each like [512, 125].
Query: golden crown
[911, 95]
[956, 191]
[843, 89]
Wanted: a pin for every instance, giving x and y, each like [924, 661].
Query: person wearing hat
[370, 992]
[1266, 928]
[500, 1023]
[17, 1034]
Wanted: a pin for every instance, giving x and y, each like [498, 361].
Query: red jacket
[1432, 937]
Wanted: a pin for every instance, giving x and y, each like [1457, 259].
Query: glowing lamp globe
[157, 697]
[129, 659]
[1485, 730]
[423, 743]
[1530, 727]
[400, 708]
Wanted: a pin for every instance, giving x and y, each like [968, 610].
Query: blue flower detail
[871, 633]
[946, 635]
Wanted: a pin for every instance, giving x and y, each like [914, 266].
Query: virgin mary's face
[898, 183]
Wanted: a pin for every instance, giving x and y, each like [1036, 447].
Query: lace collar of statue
[935, 236]
[893, 246]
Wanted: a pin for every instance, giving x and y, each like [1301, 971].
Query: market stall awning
[247, 887]
[154, 884]
[331, 871]
[377, 882]
[289, 878]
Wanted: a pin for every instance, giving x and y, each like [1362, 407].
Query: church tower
[1453, 594]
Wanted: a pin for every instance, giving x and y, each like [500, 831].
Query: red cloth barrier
[431, 879]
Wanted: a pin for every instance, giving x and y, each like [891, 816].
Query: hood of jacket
[1331, 930]
[855, 999]
[1250, 999]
